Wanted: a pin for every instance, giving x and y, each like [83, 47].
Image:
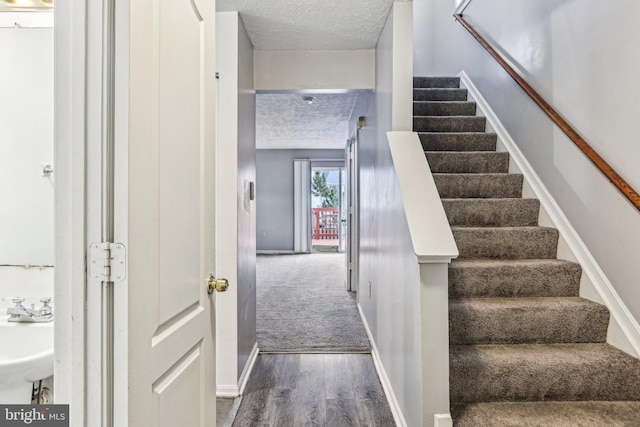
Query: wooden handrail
[600, 163]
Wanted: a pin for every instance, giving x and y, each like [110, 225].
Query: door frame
[85, 132]
[338, 165]
[352, 247]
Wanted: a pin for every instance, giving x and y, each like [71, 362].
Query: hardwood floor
[226, 409]
[314, 390]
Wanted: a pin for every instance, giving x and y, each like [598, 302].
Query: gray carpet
[525, 348]
[303, 306]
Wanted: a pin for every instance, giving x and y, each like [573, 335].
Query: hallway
[314, 389]
[315, 366]
[303, 306]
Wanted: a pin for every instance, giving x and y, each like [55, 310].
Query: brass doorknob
[214, 284]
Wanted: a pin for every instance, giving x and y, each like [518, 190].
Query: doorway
[27, 180]
[328, 217]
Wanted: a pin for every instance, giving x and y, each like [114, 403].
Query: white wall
[246, 207]
[582, 57]
[235, 249]
[274, 194]
[387, 257]
[26, 143]
[314, 69]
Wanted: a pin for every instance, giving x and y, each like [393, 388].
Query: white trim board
[235, 390]
[442, 420]
[623, 331]
[248, 367]
[398, 418]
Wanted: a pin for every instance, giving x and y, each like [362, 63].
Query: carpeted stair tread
[486, 278]
[439, 94]
[436, 82]
[449, 123]
[492, 212]
[506, 242]
[478, 185]
[526, 320]
[525, 349]
[444, 108]
[458, 141]
[546, 414]
[541, 372]
[468, 161]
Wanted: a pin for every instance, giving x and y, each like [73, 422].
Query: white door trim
[81, 129]
[69, 210]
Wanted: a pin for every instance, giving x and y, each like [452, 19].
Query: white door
[169, 379]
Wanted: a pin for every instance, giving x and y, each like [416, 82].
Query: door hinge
[107, 262]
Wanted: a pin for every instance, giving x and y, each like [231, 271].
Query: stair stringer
[624, 330]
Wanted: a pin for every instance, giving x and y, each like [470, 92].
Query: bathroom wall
[26, 143]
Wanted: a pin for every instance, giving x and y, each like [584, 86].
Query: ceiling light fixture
[307, 99]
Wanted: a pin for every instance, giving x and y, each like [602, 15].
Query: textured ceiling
[285, 121]
[311, 24]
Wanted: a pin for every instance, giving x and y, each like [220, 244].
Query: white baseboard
[442, 420]
[624, 331]
[235, 390]
[244, 377]
[227, 390]
[273, 252]
[384, 379]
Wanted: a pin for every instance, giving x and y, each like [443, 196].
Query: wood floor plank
[256, 409]
[283, 407]
[365, 379]
[287, 368]
[310, 412]
[374, 412]
[338, 380]
[314, 390]
[310, 384]
[342, 412]
[264, 374]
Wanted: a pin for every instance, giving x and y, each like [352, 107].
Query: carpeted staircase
[525, 349]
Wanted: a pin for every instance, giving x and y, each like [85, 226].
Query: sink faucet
[23, 314]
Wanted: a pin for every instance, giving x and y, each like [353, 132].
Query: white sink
[26, 355]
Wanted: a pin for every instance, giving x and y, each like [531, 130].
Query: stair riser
[471, 323]
[538, 243]
[442, 141]
[449, 124]
[473, 379]
[544, 414]
[537, 280]
[439, 94]
[452, 186]
[444, 108]
[492, 213]
[476, 162]
[436, 82]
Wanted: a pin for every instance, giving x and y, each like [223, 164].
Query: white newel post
[434, 320]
